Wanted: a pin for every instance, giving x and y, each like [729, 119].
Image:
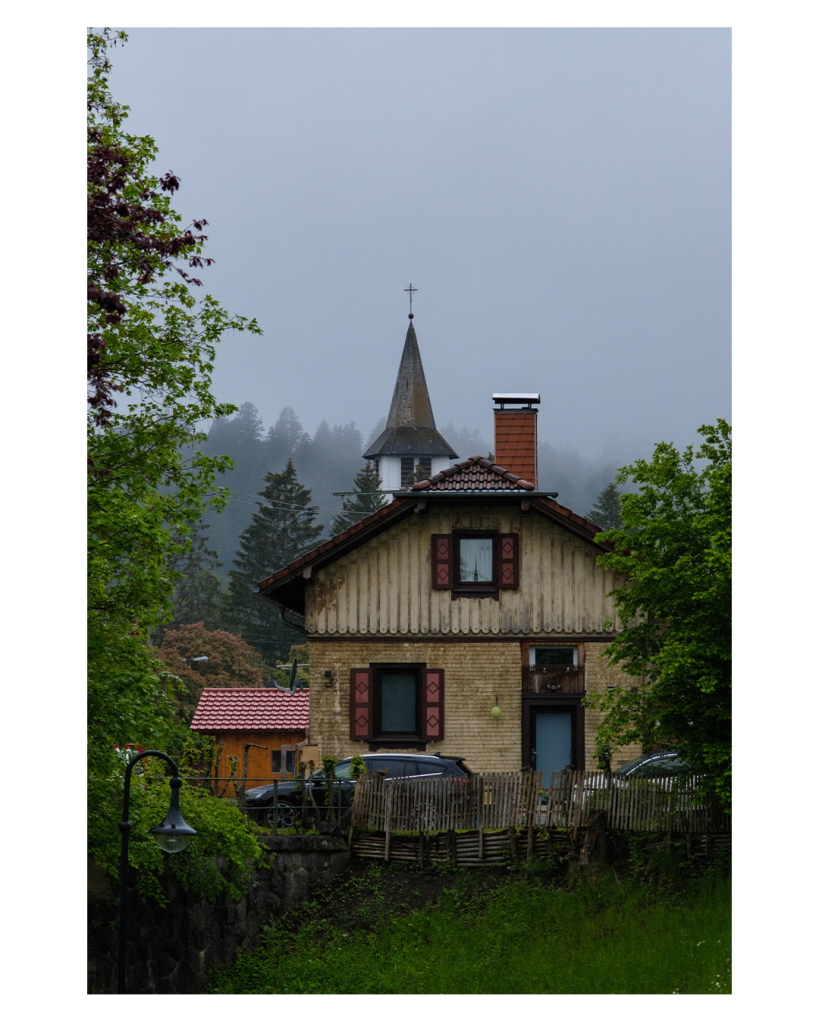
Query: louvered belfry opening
[516, 433]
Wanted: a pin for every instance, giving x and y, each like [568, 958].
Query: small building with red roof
[267, 726]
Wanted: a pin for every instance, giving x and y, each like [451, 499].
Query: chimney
[516, 434]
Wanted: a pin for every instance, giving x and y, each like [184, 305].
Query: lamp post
[173, 835]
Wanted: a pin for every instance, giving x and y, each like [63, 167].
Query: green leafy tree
[605, 512]
[368, 498]
[675, 549]
[151, 348]
[280, 530]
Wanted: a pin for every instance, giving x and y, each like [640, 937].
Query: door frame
[531, 704]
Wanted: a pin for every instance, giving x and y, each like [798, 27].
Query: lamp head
[174, 834]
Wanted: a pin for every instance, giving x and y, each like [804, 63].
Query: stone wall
[171, 949]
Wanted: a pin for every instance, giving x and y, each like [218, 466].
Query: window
[289, 761]
[472, 563]
[426, 465]
[397, 704]
[407, 471]
[560, 657]
[476, 560]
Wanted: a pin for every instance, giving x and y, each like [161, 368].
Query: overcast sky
[559, 197]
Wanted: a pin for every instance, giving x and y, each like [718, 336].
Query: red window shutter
[441, 561]
[508, 561]
[361, 703]
[432, 704]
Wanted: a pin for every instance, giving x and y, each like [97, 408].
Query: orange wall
[258, 760]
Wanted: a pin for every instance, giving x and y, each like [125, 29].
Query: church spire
[411, 406]
[410, 429]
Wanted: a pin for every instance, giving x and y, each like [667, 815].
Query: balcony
[554, 679]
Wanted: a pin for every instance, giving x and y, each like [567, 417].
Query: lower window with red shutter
[403, 704]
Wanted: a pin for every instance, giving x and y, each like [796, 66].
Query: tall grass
[522, 937]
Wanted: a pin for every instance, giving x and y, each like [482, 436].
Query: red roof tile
[476, 474]
[251, 707]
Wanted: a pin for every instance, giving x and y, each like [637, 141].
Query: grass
[387, 932]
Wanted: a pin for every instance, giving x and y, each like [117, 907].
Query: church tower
[410, 439]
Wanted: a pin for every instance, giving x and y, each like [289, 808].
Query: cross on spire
[410, 290]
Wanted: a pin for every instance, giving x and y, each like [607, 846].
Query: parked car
[659, 764]
[260, 801]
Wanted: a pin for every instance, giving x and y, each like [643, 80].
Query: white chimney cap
[517, 398]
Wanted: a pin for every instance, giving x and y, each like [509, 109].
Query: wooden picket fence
[497, 800]
[638, 805]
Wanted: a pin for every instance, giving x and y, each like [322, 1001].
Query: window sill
[475, 591]
[390, 742]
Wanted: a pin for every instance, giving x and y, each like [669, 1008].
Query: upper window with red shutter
[475, 563]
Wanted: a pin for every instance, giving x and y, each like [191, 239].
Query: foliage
[230, 662]
[281, 529]
[358, 767]
[153, 345]
[494, 934]
[675, 550]
[605, 512]
[198, 595]
[133, 234]
[219, 859]
[367, 498]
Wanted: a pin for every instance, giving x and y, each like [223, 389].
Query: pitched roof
[252, 708]
[410, 426]
[475, 474]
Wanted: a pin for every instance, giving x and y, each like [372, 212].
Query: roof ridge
[472, 462]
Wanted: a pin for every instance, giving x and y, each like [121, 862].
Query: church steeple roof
[410, 426]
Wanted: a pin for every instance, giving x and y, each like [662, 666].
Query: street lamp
[173, 835]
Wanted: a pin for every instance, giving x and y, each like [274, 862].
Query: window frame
[484, 587]
[379, 670]
[445, 561]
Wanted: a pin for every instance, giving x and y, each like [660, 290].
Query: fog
[559, 197]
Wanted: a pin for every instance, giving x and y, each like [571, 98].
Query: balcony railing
[554, 679]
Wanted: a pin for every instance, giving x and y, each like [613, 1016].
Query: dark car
[260, 800]
[659, 764]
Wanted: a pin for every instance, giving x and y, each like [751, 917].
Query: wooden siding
[385, 586]
[258, 755]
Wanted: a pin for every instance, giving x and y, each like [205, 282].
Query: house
[467, 616]
[268, 725]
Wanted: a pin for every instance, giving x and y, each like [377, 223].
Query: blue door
[552, 742]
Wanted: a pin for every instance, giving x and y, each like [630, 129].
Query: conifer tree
[605, 512]
[368, 498]
[280, 530]
[197, 597]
